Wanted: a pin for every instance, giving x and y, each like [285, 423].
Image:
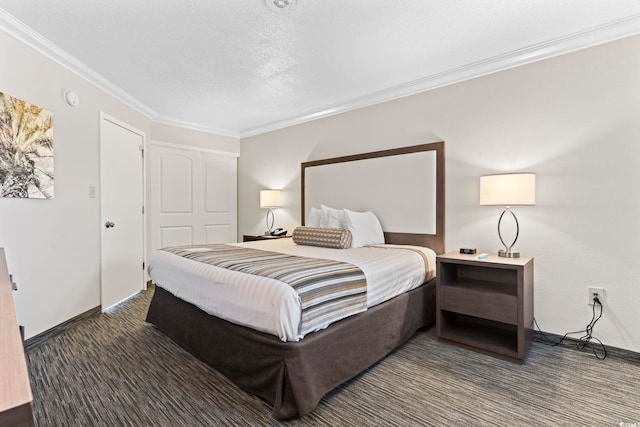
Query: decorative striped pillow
[336, 238]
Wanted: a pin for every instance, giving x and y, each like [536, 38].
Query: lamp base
[269, 223]
[508, 254]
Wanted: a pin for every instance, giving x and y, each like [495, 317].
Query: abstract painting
[26, 149]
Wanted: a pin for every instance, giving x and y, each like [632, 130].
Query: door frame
[105, 117]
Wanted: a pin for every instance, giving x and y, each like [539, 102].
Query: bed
[292, 373]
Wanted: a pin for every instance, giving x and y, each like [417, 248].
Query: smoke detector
[281, 6]
[71, 98]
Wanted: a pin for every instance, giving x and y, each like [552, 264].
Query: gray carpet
[114, 369]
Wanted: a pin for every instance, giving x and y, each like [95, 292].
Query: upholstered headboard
[404, 187]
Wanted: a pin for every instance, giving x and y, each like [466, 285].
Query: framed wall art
[26, 149]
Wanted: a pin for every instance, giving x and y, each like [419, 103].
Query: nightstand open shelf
[486, 305]
[482, 334]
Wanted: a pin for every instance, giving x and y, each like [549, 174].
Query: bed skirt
[293, 376]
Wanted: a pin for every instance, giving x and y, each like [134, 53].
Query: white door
[121, 189]
[192, 196]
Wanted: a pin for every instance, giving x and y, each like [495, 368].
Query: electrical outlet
[593, 291]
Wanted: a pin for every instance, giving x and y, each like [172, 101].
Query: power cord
[588, 332]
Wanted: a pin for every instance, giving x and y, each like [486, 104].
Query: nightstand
[485, 305]
[253, 238]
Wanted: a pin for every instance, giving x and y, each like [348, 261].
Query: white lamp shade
[509, 189]
[270, 198]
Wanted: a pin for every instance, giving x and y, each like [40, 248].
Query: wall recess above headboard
[404, 187]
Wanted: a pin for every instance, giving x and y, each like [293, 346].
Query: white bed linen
[272, 306]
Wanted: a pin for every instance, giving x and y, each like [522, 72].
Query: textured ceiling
[235, 67]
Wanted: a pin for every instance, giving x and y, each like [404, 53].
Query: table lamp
[511, 189]
[269, 199]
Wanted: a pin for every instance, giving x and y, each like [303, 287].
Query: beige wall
[573, 120]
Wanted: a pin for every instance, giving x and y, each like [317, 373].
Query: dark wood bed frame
[293, 377]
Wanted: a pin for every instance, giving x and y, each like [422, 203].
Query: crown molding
[597, 35]
[194, 148]
[195, 126]
[20, 31]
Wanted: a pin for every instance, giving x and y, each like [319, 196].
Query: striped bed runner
[328, 290]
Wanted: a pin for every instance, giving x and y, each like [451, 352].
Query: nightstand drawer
[480, 303]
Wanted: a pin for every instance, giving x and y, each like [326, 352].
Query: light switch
[92, 191]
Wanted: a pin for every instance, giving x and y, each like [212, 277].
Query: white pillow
[365, 228]
[314, 217]
[331, 218]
